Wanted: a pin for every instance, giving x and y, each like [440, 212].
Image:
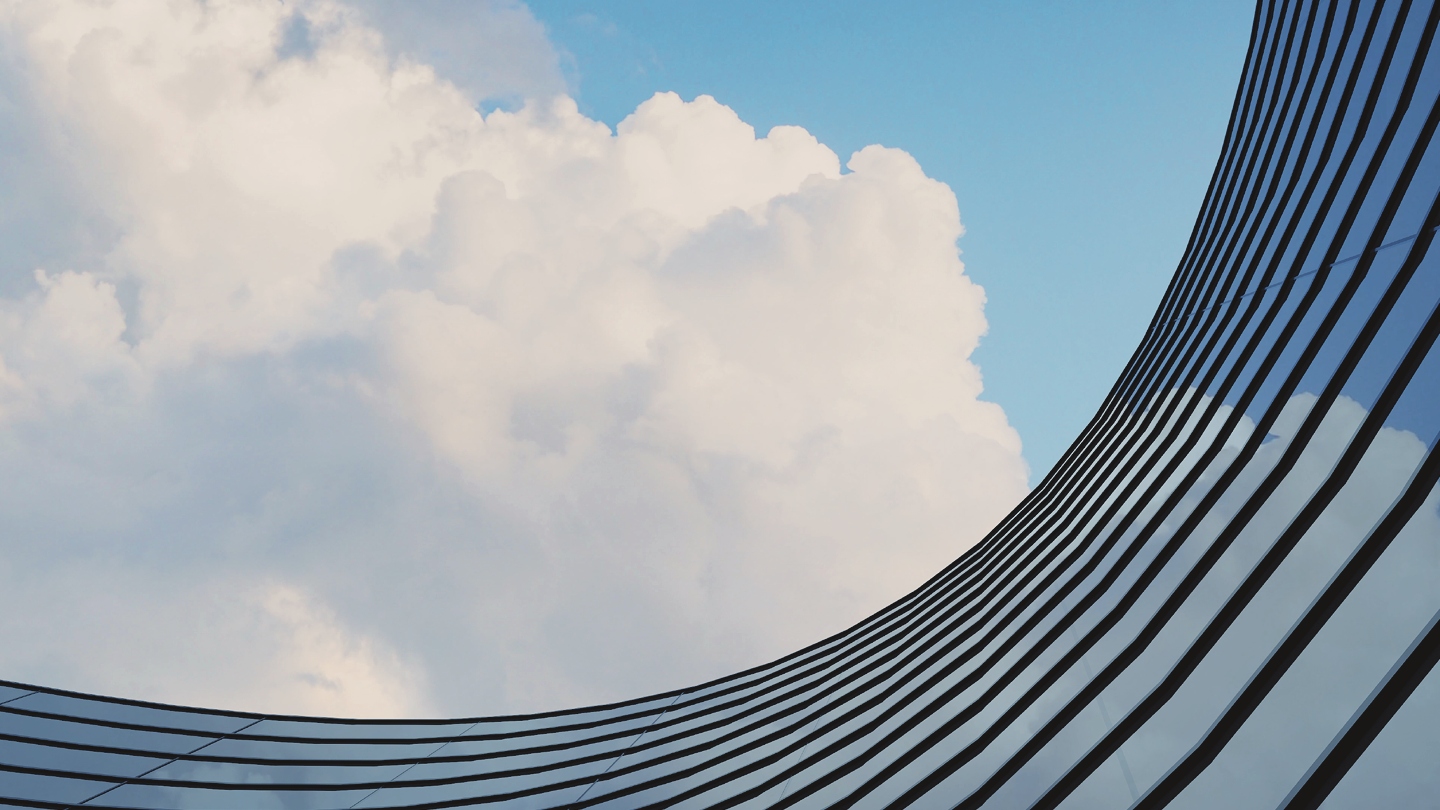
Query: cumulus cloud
[324, 390]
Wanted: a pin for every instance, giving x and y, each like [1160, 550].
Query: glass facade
[1226, 594]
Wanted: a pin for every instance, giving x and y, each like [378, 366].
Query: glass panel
[291, 751]
[541, 793]
[141, 742]
[10, 693]
[156, 797]
[24, 786]
[161, 719]
[230, 773]
[93, 763]
[306, 729]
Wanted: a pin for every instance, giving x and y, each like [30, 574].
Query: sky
[443, 358]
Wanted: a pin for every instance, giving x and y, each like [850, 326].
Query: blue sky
[1078, 138]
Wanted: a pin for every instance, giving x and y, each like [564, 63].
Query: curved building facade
[1226, 594]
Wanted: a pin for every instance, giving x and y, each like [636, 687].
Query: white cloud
[493, 411]
[259, 643]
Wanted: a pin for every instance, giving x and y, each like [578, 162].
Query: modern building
[1225, 595]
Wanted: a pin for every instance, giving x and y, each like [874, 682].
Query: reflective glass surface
[1225, 594]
